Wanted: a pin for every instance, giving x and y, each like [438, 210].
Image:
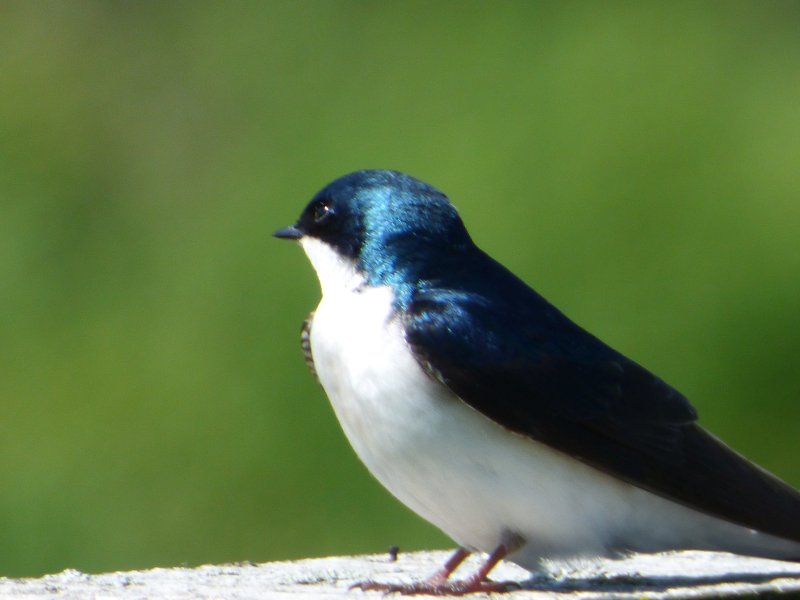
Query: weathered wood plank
[667, 576]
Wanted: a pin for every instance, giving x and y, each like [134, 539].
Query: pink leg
[477, 582]
[458, 557]
[438, 584]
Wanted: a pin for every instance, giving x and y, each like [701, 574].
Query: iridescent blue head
[393, 229]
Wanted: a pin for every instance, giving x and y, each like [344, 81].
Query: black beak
[289, 233]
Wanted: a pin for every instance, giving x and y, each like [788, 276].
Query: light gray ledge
[673, 575]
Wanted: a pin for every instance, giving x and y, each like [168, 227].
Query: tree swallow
[489, 413]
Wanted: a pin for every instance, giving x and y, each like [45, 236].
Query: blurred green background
[637, 163]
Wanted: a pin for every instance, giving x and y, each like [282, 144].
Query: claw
[446, 588]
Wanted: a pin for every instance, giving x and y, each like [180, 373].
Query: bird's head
[382, 226]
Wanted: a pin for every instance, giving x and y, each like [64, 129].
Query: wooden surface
[677, 575]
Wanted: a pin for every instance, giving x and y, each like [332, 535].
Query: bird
[492, 415]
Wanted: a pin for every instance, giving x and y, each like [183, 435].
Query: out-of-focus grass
[637, 164]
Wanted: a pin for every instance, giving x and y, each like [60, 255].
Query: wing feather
[305, 343]
[533, 371]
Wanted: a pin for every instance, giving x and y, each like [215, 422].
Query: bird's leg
[435, 581]
[438, 584]
[477, 582]
[441, 576]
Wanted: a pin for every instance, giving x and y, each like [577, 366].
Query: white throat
[335, 272]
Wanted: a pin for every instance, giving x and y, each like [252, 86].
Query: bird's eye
[321, 212]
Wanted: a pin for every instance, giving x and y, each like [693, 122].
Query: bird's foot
[439, 584]
[434, 587]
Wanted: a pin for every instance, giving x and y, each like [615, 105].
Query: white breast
[461, 471]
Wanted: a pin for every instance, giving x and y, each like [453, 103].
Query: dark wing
[530, 369]
[305, 343]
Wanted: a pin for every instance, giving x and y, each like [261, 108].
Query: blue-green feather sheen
[403, 223]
